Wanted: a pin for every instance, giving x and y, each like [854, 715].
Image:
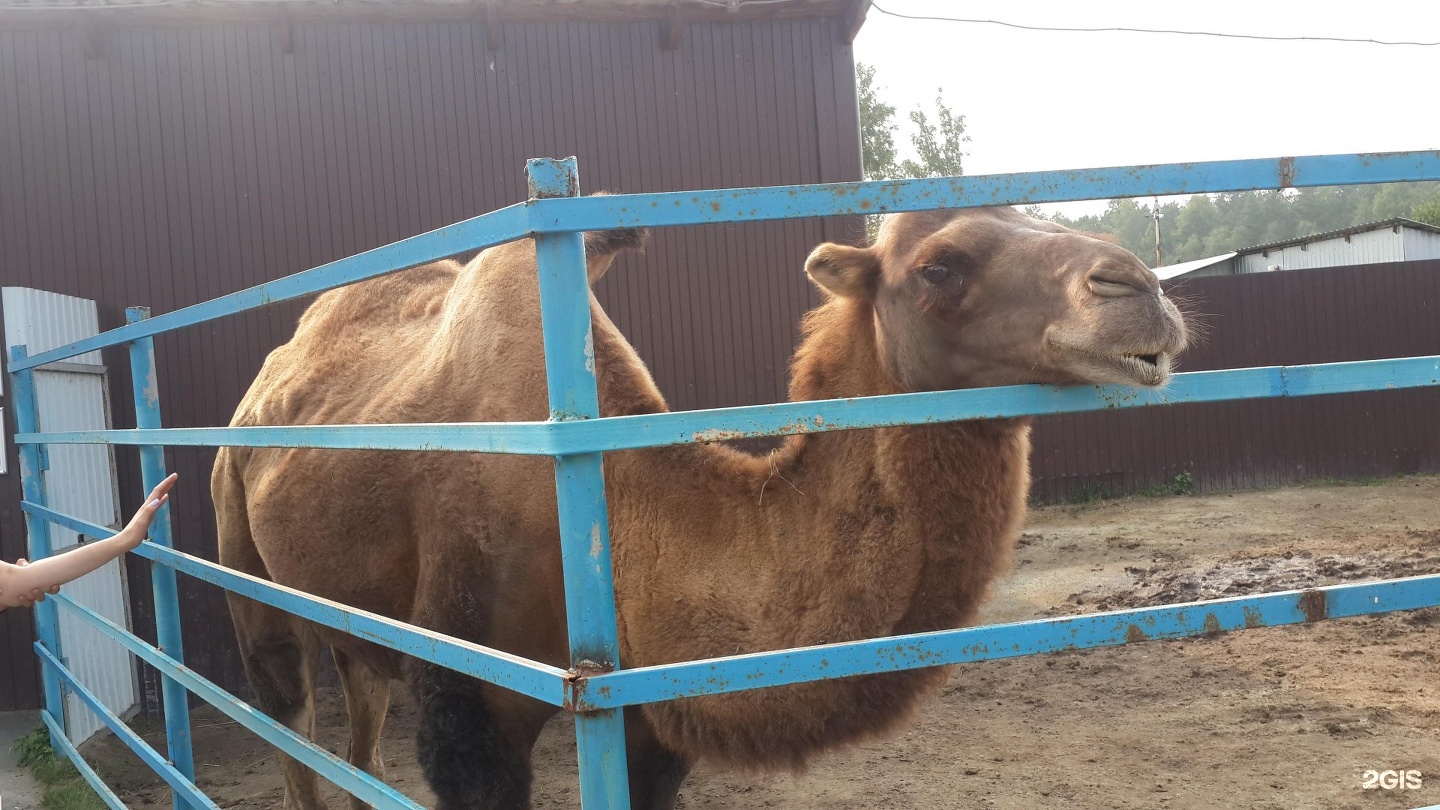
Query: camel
[834, 536]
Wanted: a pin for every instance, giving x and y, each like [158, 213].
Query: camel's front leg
[281, 656]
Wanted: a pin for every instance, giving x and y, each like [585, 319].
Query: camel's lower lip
[1147, 369]
[1151, 369]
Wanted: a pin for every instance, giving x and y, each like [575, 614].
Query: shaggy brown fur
[834, 537]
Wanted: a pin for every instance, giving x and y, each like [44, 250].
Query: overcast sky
[1037, 100]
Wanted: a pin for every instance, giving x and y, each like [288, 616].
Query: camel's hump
[409, 295]
[344, 357]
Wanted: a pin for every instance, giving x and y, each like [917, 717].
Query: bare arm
[22, 585]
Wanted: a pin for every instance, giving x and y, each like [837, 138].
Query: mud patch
[1244, 576]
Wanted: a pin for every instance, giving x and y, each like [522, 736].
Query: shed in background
[1393, 240]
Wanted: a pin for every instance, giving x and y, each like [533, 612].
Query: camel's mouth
[1147, 369]
[1141, 369]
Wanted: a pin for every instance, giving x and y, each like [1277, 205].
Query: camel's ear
[848, 272]
[602, 246]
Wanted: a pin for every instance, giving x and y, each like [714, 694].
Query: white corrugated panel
[45, 320]
[1420, 244]
[81, 482]
[1370, 247]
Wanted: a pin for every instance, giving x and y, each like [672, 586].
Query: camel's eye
[936, 273]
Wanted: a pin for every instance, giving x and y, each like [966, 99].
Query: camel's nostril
[1116, 282]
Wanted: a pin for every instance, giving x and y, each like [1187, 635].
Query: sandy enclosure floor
[1273, 718]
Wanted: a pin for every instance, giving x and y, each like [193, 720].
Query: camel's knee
[278, 675]
[468, 759]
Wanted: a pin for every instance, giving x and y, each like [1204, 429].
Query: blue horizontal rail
[991, 642]
[70, 752]
[782, 202]
[883, 196]
[157, 762]
[486, 230]
[346, 776]
[533, 679]
[630, 432]
[735, 673]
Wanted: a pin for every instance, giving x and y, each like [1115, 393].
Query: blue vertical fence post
[580, 488]
[146, 382]
[32, 483]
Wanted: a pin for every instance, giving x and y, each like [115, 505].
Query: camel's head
[983, 297]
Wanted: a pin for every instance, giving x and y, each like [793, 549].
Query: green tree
[1427, 211]
[940, 146]
[877, 128]
[938, 139]
[1211, 224]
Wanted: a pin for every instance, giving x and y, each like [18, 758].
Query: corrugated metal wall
[175, 164]
[1420, 245]
[1369, 247]
[1315, 316]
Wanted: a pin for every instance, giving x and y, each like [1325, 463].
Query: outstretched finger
[163, 488]
[146, 513]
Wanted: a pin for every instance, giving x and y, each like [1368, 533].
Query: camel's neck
[834, 536]
[951, 497]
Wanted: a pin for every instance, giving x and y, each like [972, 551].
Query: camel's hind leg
[281, 653]
[367, 699]
[281, 656]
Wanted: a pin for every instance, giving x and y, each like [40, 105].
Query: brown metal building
[164, 156]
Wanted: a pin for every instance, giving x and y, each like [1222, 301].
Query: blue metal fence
[596, 687]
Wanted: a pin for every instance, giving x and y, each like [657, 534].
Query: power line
[1147, 30]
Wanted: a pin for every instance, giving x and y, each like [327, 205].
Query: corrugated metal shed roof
[674, 17]
[1173, 270]
[527, 6]
[1354, 229]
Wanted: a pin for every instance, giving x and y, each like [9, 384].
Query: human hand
[134, 531]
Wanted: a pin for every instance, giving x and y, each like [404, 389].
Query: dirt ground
[1287, 717]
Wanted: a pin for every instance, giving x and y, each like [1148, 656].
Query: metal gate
[597, 687]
